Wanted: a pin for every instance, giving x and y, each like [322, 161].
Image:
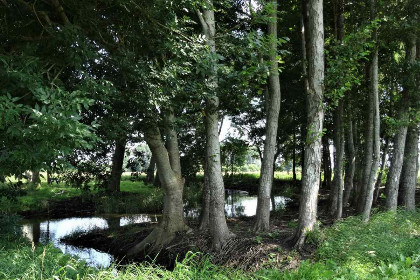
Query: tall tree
[169, 168]
[217, 220]
[393, 179]
[411, 155]
[338, 182]
[372, 145]
[351, 161]
[315, 95]
[262, 222]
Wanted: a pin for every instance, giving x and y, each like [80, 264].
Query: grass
[135, 197]
[386, 248]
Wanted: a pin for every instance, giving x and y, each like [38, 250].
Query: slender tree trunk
[315, 96]
[338, 183]
[49, 181]
[409, 180]
[374, 127]
[393, 179]
[218, 228]
[351, 162]
[382, 168]
[411, 155]
[117, 166]
[157, 182]
[169, 168]
[150, 174]
[358, 171]
[337, 201]
[326, 160]
[262, 222]
[294, 157]
[205, 207]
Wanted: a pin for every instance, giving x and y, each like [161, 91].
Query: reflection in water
[237, 204]
[240, 204]
[54, 230]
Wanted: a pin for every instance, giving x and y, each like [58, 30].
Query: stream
[237, 204]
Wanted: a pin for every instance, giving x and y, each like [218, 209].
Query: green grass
[135, 197]
[386, 248]
[37, 198]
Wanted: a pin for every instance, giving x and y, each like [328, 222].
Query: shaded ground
[246, 251]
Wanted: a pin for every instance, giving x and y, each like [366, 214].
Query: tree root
[154, 242]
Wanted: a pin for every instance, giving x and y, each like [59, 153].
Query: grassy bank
[135, 197]
[386, 248]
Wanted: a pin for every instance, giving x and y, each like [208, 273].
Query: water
[44, 231]
[55, 229]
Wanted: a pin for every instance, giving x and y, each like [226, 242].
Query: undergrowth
[386, 248]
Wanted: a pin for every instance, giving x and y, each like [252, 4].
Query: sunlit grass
[386, 248]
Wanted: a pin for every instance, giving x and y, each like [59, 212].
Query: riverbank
[135, 197]
[386, 248]
[61, 201]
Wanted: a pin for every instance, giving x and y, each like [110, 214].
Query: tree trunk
[338, 182]
[351, 162]
[262, 222]
[169, 168]
[294, 157]
[36, 178]
[358, 171]
[218, 228]
[205, 207]
[409, 180]
[49, 181]
[326, 160]
[117, 166]
[315, 96]
[150, 174]
[382, 168]
[393, 179]
[374, 128]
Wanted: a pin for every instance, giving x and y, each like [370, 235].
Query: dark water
[44, 231]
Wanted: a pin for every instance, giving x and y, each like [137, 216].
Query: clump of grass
[385, 248]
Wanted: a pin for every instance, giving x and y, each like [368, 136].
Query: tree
[315, 95]
[218, 227]
[372, 144]
[262, 222]
[169, 168]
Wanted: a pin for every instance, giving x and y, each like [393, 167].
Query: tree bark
[262, 222]
[338, 182]
[409, 180]
[294, 157]
[326, 160]
[411, 164]
[393, 179]
[117, 166]
[351, 162]
[167, 161]
[36, 178]
[218, 228]
[150, 174]
[315, 96]
[374, 127]
[205, 206]
[381, 170]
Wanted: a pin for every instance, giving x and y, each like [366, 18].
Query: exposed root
[154, 242]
